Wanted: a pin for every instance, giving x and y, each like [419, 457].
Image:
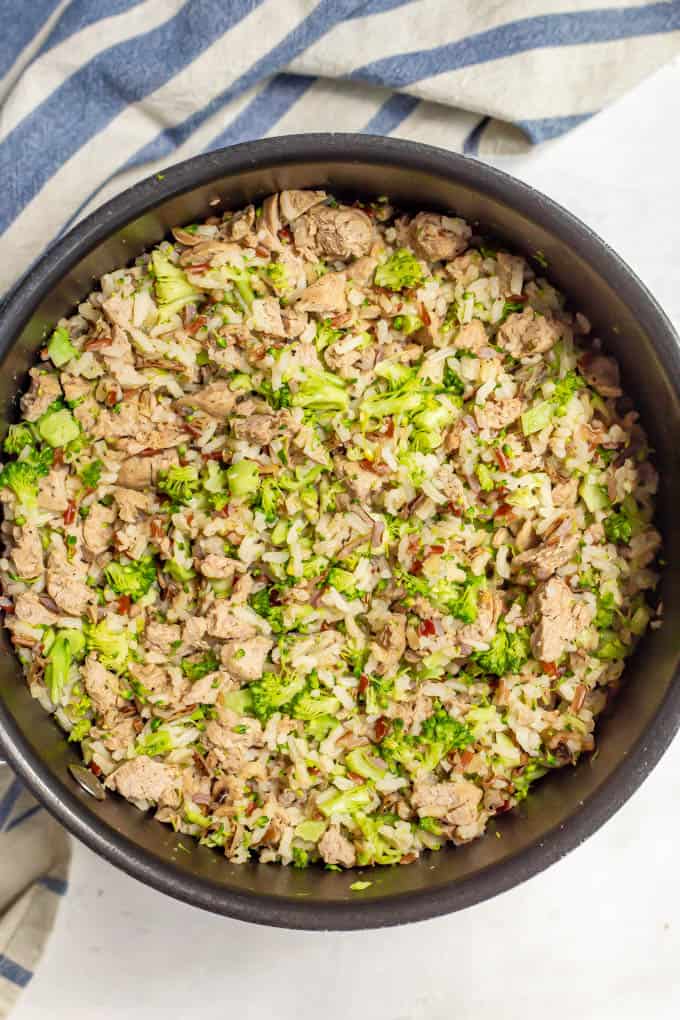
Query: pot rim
[634, 767]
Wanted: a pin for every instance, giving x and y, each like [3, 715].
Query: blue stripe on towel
[540, 32]
[58, 886]
[264, 111]
[545, 128]
[14, 972]
[9, 799]
[18, 31]
[391, 114]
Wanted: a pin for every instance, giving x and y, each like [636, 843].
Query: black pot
[570, 804]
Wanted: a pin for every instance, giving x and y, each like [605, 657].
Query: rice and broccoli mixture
[327, 531]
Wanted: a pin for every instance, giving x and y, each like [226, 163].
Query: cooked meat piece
[336, 848]
[497, 414]
[412, 713]
[361, 272]
[125, 423]
[52, 493]
[510, 268]
[192, 634]
[28, 551]
[258, 428]
[140, 472]
[163, 637]
[205, 690]
[74, 386]
[245, 659]
[341, 232]
[565, 493]
[438, 237]
[326, 296]
[527, 332]
[562, 618]
[489, 609]
[294, 322]
[157, 681]
[215, 399]
[132, 539]
[144, 779]
[66, 586]
[602, 374]
[471, 337]
[102, 686]
[43, 391]
[97, 529]
[270, 215]
[545, 559]
[131, 504]
[30, 609]
[294, 203]
[456, 802]
[390, 645]
[218, 566]
[223, 622]
[359, 480]
[267, 317]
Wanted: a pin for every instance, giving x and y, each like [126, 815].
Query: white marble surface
[596, 936]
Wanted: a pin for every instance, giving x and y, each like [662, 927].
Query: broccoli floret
[276, 398]
[60, 348]
[429, 424]
[215, 478]
[91, 473]
[18, 438]
[611, 647]
[442, 734]
[606, 611]
[465, 606]
[319, 728]
[374, 847]
[243, 479]
[269, 499]
[200, 667]
[484, 477]
[378, 694]
[540, 415]
[430, 825]
[81, 729]
[355, 658]
[564, 391]
[133, 579]
[343, 582]
[178, 572]
[241, 278]
[399, 749]
[274, 692]
[529, 774]
[452, 382]
[618, 528]
[173, 290]
[359, 762]
[407, 324]
[112, 646]
[156, 743]
[179, 482]
[59, 660]
[301, 858]
[307, 706]
[22, 478]
[239, 701]
[278, 275]
[402, 271]
[507, 652]
[347, 802]
[261, 603]
[216, 838]
[537, 417]
[382, 405]
[326, 335]
[58, 427]
[321, 391]
[310, 830]
[593, 494]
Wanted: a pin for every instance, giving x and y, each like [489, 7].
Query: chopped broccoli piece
[243, 479]
[58, 427]
[215, 478]
[374, 847]
[277, 398]
[216, 838]
[269, 499]
[173, 290]
[156, 743]
[321, 391]
[564, 391]
[452, 382]
[242, 279]
[407, 324]
[484, 477]
[402, 271]
[200, 667]
[618, 528]
[310, 831]
[358, 761]
[429, 424]
[91, 473]
[133, 579]
[540, 415]
[278, 275]
[382, 405]
[360, 886]
[347, 802]
[301, 858]
[274, 692]
[112, 646]
[261, 603]
[441, 734]
[59, 660]
[606, 611]
[81, 729]
[178, 571]
[507, 653]
[307, 707]
[529, 774]
[465, 606]
[180, 483]
[319, 728]
[22, 478]
[537, 417]
[60, 348]
[343, 582]
[326, 335]
[18, 438]
[430, 825]
[240, 701]
[593, 494]
[611, 647]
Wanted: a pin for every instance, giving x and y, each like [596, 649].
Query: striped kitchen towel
[34, 857]
[96, 94]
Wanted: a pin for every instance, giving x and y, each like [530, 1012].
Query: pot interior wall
[562, 799]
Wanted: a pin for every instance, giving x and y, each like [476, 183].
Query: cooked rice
[327, 532]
